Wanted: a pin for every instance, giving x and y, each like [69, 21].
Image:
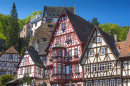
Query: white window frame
[10, 56]
[112, 82]
[70, 53]
[70, 69]
[77, 68]
[89, 83]
[109, 66]
[76, 51]
[118, 82]
[98, 39]
[87, 68]
[29, 69]
[59, 52]
[102, 51]
[94, 67]
[26, 70]
[90, 53]
[107, 82]
[101, 82]
[54, 52]
[54, 70]
[63, 69]
[96, 83]
[104, 67]
[99, 67]
[59, 69]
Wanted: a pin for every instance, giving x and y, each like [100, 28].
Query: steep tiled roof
[43, 32]
[119, 46]
[36, 18]
[55, 11]
[34, 55]
[11, 50]
[82, 27]
[126, 48]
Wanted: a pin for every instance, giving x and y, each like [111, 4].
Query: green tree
[95, 21]
[12, 29]
[5, 78]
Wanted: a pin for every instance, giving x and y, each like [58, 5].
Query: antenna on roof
[74, 9]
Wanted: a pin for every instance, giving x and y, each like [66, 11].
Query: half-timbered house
[9, 60]
[125, 62]
[100, 61]
[30, 63]
[65, 48]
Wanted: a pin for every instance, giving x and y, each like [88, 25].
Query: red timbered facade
[32, 64]
[65, 49]
[9, 60]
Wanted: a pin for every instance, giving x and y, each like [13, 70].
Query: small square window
[10, 56]
[15, 65]
[102, 51]
[90, 53]
[98, 39]
[4, 64]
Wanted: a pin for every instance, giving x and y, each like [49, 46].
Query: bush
[5, 78]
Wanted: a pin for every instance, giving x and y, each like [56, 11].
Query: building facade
[30, 63]
[101, 62]
[9, 60]
[65, 49]
[25, 31]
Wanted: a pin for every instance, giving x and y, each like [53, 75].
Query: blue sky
[106, 11]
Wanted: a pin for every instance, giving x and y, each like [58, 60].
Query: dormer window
[90, 53]
[58, 40]
[84, 30]
[102, 51]
[63, 26]
[98, 39]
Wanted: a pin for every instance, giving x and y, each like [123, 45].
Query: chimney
[115, 37]
[110, 33]
[74, 10]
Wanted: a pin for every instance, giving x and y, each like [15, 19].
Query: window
[59, 69]
[90, 53]
[10, 56]
[26, 59]
[39, 71]
[94, 67]
[0, 64]
[98, 39]
[93, 39]
[68, 37]
[109, 66]
[95, 83]
[58, 40]
[0, 73]
[99, 67]
[4, 73]
[26, 70]
[50, 56]
[64, 25]
[87, 68]
[63, 69]
[51, 32]
[89, 83]
[54, 52]
[29, 69]
[106, 82]
[4, 64]
[77, 68]
[21, 71]
[75, 53]
[118, 82]
[104, 66]
[112, 82]
[59, 52]
[70, 70]
[102, 51]
[43, 39]
[35, 24]
[15, 65]
[101, 82]
[44, 59]
[54, 70]
[84, 30]
[69, 53]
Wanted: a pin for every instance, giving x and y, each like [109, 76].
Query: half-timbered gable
[125, 60]
[65, 49]
[9, 60]
[30, 63]
[100, 60]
